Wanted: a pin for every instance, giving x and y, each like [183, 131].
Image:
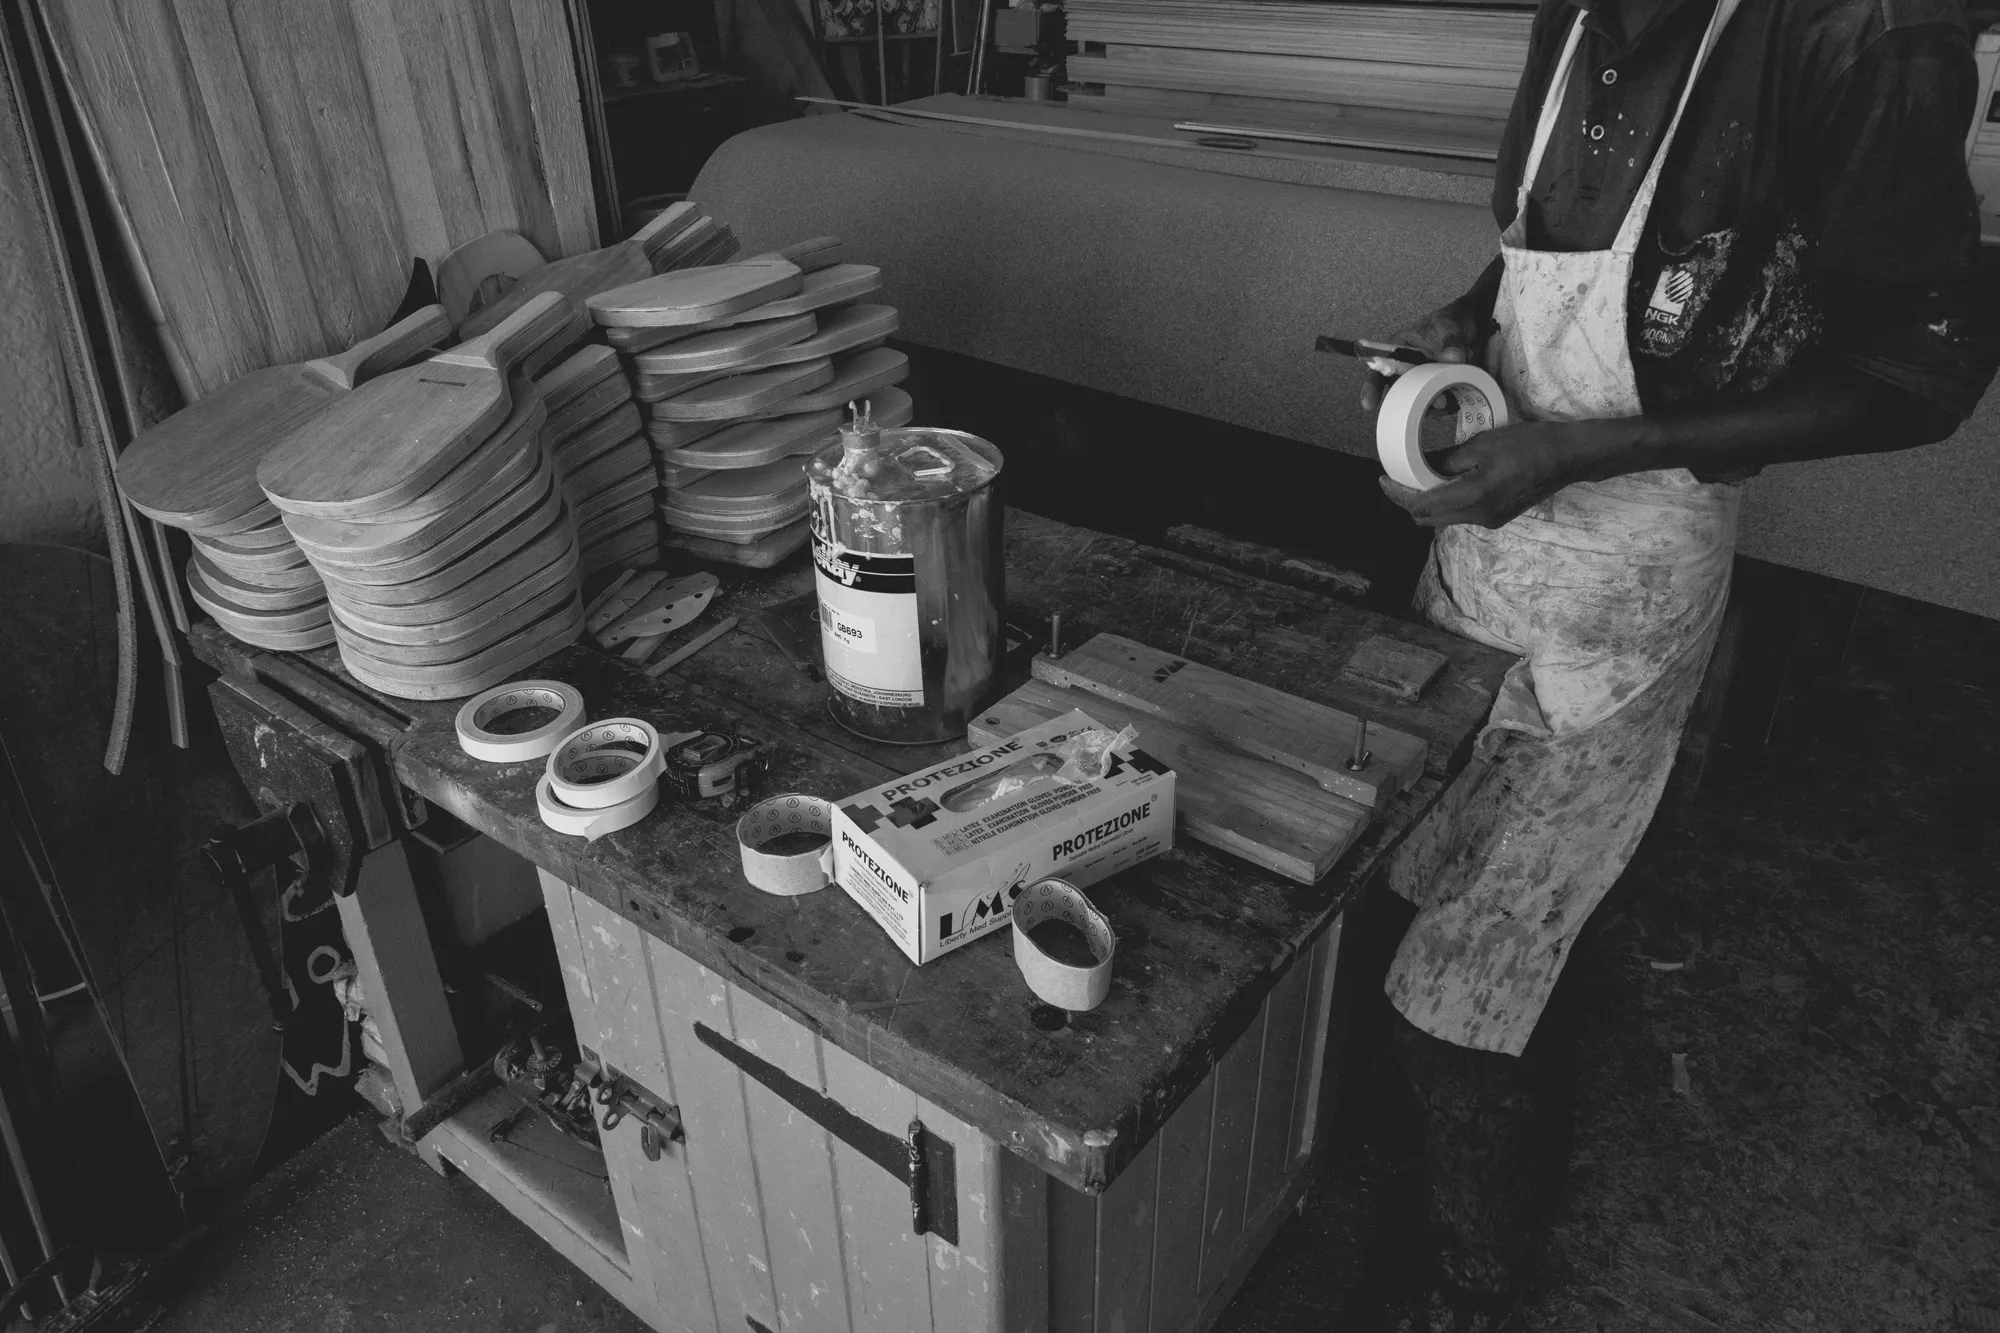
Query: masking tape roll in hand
[482, 710]
[588, 769]
[1065, 985]
[1399, 426]
[787, 874]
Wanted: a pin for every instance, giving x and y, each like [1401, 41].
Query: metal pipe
[975, 81]
[881, 56]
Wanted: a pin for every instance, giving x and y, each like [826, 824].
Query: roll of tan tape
[787, 874]
[1399, 425]
[593, 823]
[606, 763]
[1065, 985]
[482, 710]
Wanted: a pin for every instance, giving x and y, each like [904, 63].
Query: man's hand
[1452, 333]
[1500, 474]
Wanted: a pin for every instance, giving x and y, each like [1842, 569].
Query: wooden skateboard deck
[390, 440]
[696, 295]
[740, 396]
[198, 468]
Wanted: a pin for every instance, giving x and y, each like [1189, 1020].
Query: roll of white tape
[482, 710]
[588, 770]
[593, 824]
[787, 874]
[1065, 985]
[1399, 426]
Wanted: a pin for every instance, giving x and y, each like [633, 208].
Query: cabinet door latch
[659, 1122]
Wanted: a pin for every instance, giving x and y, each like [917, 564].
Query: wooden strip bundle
[1437, 36]
[1462, 92]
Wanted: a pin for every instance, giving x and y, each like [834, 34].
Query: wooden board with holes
[1312, 738]
[757, 393]
[726, 349]
[198, 468]
[1269, 815]
[696, 295]
[762, 553]
[580, 277]
[391, 439]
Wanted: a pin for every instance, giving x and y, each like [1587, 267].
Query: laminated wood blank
[650, 389]
[484, 537]
[758, 392]
[243, 596]
[507, 457]
[337, 543]
[462, 636]
[751, 444]
[612, 468]
[1461, 92]
[762, 553]
[368, 621]
[1438, 36]
[740, 529]
[587, 407]
[678, 434]
[482, 270]
[450, 589]
[848, 329]
[673, 474]
[548, 351]
[620, 423]
[811, 255]
[728, 349]
[576, 373]
[696, 295]
[854, 376]
[581, 276]
[617, 505]
[252, 564]
[259, 587]
[263, 537]
[389, 440]
[821, 290]
[455, 680]
[1269, 815]
[238, 620]
[1296, 733]
[198, 468]
[745, 490]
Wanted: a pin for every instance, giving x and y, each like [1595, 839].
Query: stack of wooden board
[1263, 774]
[197, 470]
[605, 461]
[1396, 75]
[741, 372]
[429, 504]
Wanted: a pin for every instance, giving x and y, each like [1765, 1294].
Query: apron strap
[1627, 241]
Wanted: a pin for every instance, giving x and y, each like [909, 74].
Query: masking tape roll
[787, 874]
[585, 772]
[481, 710]
[1064, 985]
[1399, 426]
[593, 824]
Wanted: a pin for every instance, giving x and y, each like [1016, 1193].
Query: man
[1733, 233]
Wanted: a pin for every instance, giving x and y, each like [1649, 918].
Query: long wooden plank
[888, 1269]
[555, 103]
[1267, 814]
[604, 963]
[721, 1161]
[1313, 738]
[794, 1174]
[1228, 1175]
[399, 128]
[1284, 1057]
[1178, 1232]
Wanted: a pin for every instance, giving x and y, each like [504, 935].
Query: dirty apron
[1611, 592]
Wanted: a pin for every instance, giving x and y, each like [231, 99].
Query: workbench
[1116, 1169]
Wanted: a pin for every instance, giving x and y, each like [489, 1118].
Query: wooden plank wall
[279, 163]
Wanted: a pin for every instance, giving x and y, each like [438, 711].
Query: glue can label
[868, 625]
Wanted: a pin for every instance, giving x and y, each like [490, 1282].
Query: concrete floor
[1789, 1100]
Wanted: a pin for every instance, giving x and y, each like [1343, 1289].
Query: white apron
[1612, 593]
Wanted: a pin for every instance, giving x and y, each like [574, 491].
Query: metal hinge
[659, 1122]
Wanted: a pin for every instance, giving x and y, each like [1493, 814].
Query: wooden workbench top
[1201, 935]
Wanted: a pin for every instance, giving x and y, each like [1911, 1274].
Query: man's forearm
[1821, 413]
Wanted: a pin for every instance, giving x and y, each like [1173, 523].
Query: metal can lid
[912, 463]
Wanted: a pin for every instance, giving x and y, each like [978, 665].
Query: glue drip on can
[906, 527]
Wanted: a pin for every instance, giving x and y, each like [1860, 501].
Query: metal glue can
[907, 557]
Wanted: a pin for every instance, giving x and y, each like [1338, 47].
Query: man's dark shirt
[1814, 205]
